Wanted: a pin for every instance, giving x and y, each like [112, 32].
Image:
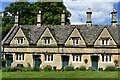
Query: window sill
[76, 62]
[48, 61]
[106, 62]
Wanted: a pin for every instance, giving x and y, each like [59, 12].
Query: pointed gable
[105, 34]
[19, 34]
[75, 34]
[46, 34]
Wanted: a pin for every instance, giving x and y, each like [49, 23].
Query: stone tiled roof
[61, 33]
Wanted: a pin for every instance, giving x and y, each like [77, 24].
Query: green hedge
[48, 68]
[91, 69]
[111, 68]
[82, 68]
[69, 68]
[23, 69]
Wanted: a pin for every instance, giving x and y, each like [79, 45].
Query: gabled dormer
[46, 39]
[19, 39]
[105, 39]
[75, 39]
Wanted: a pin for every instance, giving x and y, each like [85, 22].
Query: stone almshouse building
[62, 45]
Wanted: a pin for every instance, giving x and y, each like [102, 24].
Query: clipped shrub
[8, 69]
[69, 68]
[82, 68]
[91, 69]
[25, 69]
[110, 68]
[3, 62]
[36, 69]
[118, 69]
[48, 68]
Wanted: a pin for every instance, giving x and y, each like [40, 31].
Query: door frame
[9, 58]
[63, 56]
[96, 56]
[34, 59]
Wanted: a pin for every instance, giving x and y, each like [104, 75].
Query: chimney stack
[39, 19]
[89, 13]
[113, 22]
[16, 19]
[63, 18]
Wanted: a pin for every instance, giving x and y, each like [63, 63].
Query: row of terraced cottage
[62, 45]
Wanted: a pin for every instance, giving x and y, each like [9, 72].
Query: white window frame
[106, 57]
[47, 41]
[79, 57]
[49, 57]
[20, 41]
[75, 41]
[105, 41]
[20, 57]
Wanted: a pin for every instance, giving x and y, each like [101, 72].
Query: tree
[51, 13]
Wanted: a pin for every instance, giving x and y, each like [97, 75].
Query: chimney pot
[16, 18]
[63, 18]
[89, 13]
[113, 22]
[39, 19]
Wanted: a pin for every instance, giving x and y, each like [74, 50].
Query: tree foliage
[51, 14]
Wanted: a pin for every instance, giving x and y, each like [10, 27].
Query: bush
[24, 69]
[48, 68]
[69, 68]
[91, 69]
[36, 69]
[8, 69]
[82, 68]
[3, 62]
[110, 68]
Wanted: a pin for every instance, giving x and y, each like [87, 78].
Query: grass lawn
[62, 74]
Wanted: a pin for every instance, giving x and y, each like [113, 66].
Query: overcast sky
[101, 10]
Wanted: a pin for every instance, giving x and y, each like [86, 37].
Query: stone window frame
[75, 57]
[47, 40]
[107, 58]
[49, 57]
[75, 40]
[20, 40]
[105, 41]
[20, 57]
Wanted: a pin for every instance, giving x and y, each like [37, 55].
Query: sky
[101, 10]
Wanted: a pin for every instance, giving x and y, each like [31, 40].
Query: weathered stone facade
[62, 45]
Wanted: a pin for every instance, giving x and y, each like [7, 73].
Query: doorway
[94, 60]
[65, 61]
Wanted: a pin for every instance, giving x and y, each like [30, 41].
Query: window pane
[51, 57]
[76, 58]
[45, 41]
[80, 58]
[21, 41]
[18, 41]
[103, 42]
[76, 41]
[16, 56]
[110, 58]
[19, 56]
[106, 41]
[106, 58]
[48, 41]
[73, 58]
[48, 57]
[22, 56]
